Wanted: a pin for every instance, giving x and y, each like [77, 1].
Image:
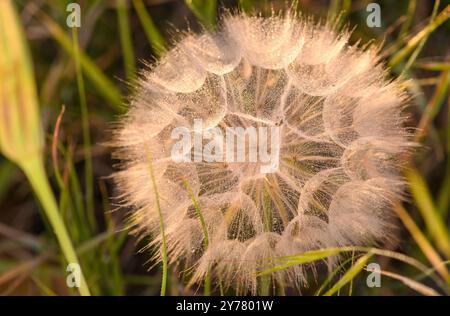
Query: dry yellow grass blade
[433, 221]
[20, 133]
[433, 66]
[414, 285]
[423, 242]
[424, 33]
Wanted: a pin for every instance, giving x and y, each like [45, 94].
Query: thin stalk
[88, 170]
[103, 84]
[125, 40]
[110, 227]
[434, 222]
[410, 12]
[444, 194]
[413, 42]
[163, 235]
[423, 243]
[205, 233]
[58, 176]
[434, 105]
[350, 287]
[350, 274]
[154, 37]
[334, 273]
[222, 292]
[204, 10]
[34, 170]
[419, 48]
[267, 220]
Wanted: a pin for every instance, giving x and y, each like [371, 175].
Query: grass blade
[306, 257]
[414, 285]
[444, 194]
[340, 267]
[7, 172]
[205, 232]
[154, 37]
[163, 235]
[246, 5]
[410, 12]
[434, 105]
[433, 221]
[205, 11]
[88, 170]
[125, 40]
[350, 274]
[35, 172]
[421, 44]
[433, 66]
[20, 128]
[413, 42]
[422, 242]
[104, 86]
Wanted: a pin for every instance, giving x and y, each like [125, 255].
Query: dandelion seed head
[342, 142]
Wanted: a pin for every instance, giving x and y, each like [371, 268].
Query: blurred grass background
[79, 86]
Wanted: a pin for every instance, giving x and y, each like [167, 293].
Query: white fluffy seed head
[342, 143]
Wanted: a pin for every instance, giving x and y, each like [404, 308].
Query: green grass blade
[350, 287]
[423, 243]
[434, 105]
[330, 277]
[163, 235]
[103, 84]
[443, 201]
[205, 11]
[156, 40]
[43, 287]
[433, 66]
[306, 257]
[7, 171]
[433, 221]
[264, 287]
[425, 33]
[88, 170]
[205, 232]
[125, 40]
[35, 172]
[410, 12]
[246, 5]
[444, 193]
[421, 44]
[350, 274]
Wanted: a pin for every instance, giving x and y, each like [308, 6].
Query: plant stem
[88, 170]
[265, 285]
[154, 37]
[35, 172]
[424, 33]
[163, 235]
[207, 290]
[267, 220]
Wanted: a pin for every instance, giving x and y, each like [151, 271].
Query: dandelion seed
[341, 143]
